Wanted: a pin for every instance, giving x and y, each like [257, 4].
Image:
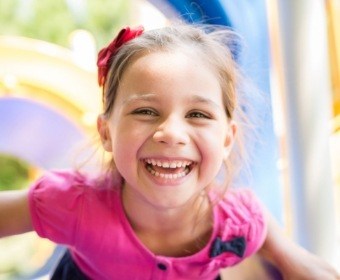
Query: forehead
[173, 70]
[173, 57]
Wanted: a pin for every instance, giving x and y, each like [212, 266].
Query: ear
[103, 130]
[230, 138]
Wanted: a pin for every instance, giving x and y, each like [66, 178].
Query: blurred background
[49, 101]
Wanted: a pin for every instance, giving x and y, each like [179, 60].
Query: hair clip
[105, 55]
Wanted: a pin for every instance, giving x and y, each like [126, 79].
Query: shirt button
[161, 266]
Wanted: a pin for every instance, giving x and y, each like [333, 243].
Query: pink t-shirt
[87, 216]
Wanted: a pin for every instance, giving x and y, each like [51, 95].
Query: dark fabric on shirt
[68, 270]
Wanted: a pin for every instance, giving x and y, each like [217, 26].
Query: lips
[168, 169]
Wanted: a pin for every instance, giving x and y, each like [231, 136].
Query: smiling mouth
[168, 169]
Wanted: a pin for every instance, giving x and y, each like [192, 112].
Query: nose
[172, 131]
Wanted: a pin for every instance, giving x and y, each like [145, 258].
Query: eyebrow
[203, 100]
[153, 97]
[140, 97]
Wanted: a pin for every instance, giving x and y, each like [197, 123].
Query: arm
[14, 213]
[293, 261]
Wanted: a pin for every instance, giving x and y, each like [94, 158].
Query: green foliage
[106, 18]
[13, 173]
[54, 21]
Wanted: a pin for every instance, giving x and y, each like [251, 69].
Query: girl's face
[168, 132]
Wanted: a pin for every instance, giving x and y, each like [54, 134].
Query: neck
[173, 232]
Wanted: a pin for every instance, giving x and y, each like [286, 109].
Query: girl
[170, 122]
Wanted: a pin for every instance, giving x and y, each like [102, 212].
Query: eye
[197, 114]
[144, 111]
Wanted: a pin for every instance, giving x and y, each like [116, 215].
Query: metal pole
[307, 107]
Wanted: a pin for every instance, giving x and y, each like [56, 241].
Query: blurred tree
[53, 21]
[14, 173]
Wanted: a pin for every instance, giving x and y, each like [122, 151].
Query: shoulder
[238, 204]
[240, 214]
[68, 187]
[61, 178]
[242, 201]
[54, 184]
[59, 200]
[68, 181]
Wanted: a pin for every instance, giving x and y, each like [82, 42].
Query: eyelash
[149, 112]
[198, 115]
[146, 112]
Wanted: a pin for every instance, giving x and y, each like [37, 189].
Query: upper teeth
[168, 164]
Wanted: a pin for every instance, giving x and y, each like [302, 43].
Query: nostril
[171, 136]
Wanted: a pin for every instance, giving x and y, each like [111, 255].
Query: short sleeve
[244, 217]
[55, 201]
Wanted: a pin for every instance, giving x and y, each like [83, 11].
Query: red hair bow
[104, 56]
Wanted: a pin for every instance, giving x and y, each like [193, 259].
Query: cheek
[212, 151]
[127, 143]
[123, 154]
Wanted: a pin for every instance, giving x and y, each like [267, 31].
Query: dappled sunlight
[23, 255]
